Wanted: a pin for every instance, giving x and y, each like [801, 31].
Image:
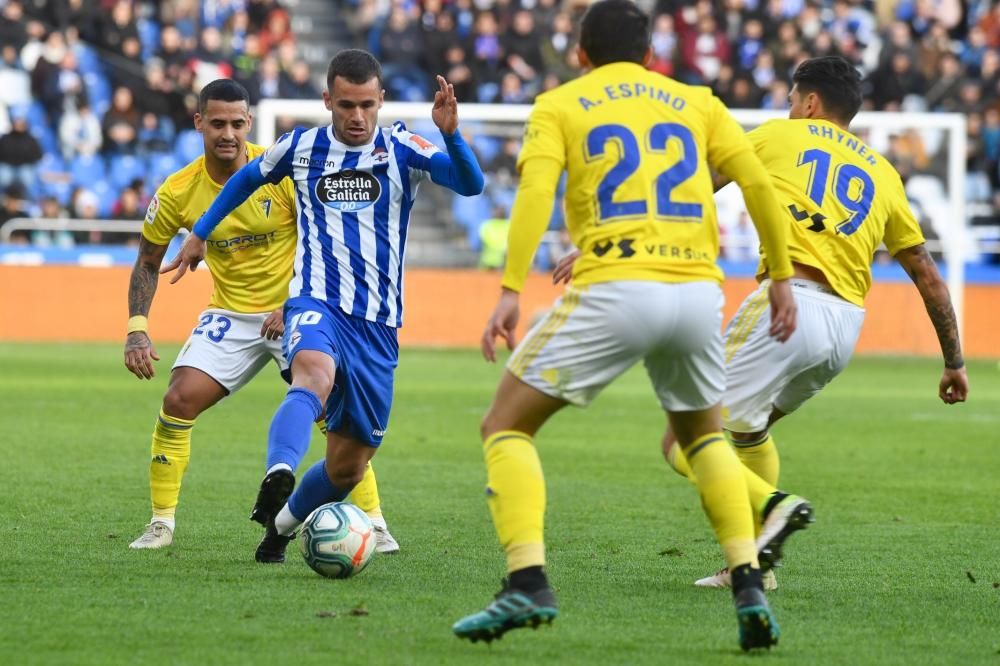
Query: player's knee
[344, 476]
[314, 371]
[316, 380]
[180, 403]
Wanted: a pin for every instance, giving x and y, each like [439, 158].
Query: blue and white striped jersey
[353, 210]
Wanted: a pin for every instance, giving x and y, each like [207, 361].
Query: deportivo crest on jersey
[348, 190]
[380, 155]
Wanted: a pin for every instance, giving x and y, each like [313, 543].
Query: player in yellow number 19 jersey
[250, 257]
[841, 200]
[636, 148]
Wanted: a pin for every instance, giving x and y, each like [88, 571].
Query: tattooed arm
[954, 385]
[139, 350]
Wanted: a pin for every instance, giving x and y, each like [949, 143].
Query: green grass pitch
[901, 567]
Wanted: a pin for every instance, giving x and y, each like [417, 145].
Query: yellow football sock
[515, 492]
[762, 457]
[720, 479]
[365, 494]
[758, 490]
[677, 460]
[171, 452]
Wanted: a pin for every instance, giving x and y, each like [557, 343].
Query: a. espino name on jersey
[348, 190]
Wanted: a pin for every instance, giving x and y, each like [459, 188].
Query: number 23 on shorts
[213, 326]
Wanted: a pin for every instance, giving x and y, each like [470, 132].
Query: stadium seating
[868, 34]
[188, 146]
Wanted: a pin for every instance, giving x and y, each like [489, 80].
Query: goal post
[875, 128]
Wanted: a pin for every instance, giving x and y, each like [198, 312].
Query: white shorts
[228, 347]
[763, 374]
[596, 332]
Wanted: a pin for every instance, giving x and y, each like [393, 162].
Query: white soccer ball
[337, 540]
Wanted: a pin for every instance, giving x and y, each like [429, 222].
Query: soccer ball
[337, 540]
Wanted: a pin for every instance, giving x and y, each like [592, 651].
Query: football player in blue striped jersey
[355, 184]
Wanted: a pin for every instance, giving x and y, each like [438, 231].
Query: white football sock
[285, 522]
[169, 522]
[277, 466]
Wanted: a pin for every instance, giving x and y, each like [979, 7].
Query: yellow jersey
[842, 197]
[250, 255]
[636, 147]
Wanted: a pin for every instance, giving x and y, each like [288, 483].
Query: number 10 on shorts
[308, 318]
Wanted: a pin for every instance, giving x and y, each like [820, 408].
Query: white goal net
[929, 148]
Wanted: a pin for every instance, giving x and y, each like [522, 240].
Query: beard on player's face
[224, 126]
[227, 150]
[355, 109]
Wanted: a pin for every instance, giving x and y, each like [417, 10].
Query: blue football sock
[314, 491]
[291, 427]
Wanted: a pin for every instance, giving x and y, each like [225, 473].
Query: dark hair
[225, 90]
[835, 80]
[355, 65]
[614, 31]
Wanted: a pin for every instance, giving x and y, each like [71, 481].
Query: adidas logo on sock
[161, 459]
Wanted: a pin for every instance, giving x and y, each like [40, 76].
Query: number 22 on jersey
[657, 139]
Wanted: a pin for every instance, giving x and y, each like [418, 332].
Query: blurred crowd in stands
[108, 86]
[97, 96]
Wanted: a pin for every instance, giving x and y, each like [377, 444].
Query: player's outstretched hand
[191, 254]
[140, 354]
[954, 386]
[274, 325]
[564, 269]
[783, 310]
[445, 110]
[502, 324]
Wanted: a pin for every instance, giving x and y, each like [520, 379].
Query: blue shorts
[366, 355]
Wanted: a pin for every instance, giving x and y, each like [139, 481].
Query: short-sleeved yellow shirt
[636, 147]
[843, 200]
[251, 254]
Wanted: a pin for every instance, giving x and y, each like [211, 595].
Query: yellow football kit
[251, 253]
[637, 148]
[843, 199]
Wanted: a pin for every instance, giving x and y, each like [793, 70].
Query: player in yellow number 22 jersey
[250, 256]
[636, 148]
[841, 200]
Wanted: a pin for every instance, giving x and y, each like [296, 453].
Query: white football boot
[156, 535]
[384, 542]
[785, 518]
[721, 578]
